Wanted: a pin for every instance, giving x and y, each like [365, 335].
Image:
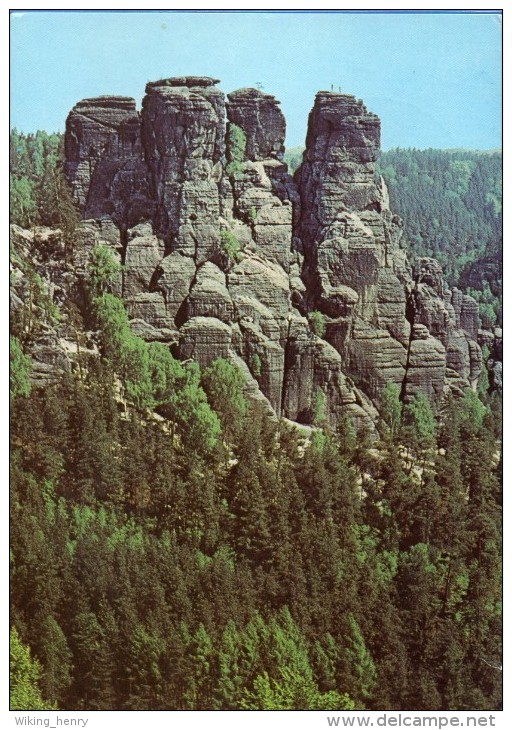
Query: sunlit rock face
[232, 263]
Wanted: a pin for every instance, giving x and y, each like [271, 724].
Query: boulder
[172, 279]
[209, 296]
[142, 254]
[204, 339]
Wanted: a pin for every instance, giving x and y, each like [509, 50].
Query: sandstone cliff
[230, 261]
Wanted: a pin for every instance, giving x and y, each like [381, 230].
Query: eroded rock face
[173, 279]
[230, 264]
[338, 173]
[451, 317]
[209, 295]
[182, 137]
[204, 339]
[104, 160]
[263, 122]
[355, 269]
[142, 255]
[426, 365]
[350, 242]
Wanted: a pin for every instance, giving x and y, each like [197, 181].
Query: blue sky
[434, 79]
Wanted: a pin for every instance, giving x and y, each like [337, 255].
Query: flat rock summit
[303, 282]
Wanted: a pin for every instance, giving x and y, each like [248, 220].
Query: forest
[451, 203]
[173, 547]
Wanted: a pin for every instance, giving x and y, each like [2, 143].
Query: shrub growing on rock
[317, 323]
[230, 245]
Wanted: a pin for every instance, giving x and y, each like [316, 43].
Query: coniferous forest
[173, 546]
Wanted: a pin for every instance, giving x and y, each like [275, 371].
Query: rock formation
[258, 114]
[230, 261]
[104, 160]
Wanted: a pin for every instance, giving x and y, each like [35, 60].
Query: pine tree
[19, 370]
[224, 385]
[92, 686]
[55, 656]
[24, 675]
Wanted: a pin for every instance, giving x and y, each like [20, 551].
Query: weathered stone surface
[299, 369]
[475, 362]
[265, 358]
[190, 81]
[263, 281]
[325, 240]
[430, 310]
[151, 307]
[391, 300]
[104, 161]
[206, 87]
[204, 339]
[498, 344]
[458, 356]
[252, 389]
[259, 115]
[428, 271]
[252, 190]
[426, 366]
[469, 320]
[486, 338]
[338, 171]
[376, 358]
[296, 283]
[349, 237]
[250, 309]
[350, 259]
[313, 367]
[49, 360]
[492, 340]
[283, 185]
[496, 373]
[226, 199]
[91, 233]
[142, 255]
[182, 136]
[173, 279]
[209, 296]
[201, 242]
[143, 329]
[338, 332]
[273, 232]
[442, 314]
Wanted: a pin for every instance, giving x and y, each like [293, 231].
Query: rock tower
[231, 260]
